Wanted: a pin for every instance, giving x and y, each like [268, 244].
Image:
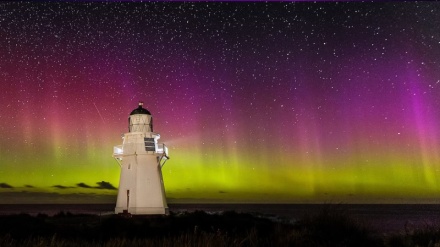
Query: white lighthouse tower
[141, 189]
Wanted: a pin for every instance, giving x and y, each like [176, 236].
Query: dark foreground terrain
[330, 227]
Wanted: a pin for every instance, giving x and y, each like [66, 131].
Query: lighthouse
[141, 158]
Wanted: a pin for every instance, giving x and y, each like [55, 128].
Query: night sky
[257, 102]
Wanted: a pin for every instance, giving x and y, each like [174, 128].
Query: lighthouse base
[142, 210]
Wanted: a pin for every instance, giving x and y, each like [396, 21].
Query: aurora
[257, 102]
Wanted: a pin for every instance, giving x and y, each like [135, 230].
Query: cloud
[62, 187]
[105, 185]
[6, 186]
[101, 185]
[83, 185]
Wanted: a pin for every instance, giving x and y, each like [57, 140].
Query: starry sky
[258, 102]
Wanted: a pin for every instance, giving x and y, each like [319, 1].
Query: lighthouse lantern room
[141, 158]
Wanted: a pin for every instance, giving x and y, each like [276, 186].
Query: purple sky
[269, 102]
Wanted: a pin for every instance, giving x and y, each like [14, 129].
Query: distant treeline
[331, 227]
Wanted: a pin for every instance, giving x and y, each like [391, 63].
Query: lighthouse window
[149, 144]
[129, 166]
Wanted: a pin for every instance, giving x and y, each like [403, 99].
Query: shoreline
[331, 225]
[385, 218]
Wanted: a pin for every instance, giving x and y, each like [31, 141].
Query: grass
[331, 227]
[425, 236]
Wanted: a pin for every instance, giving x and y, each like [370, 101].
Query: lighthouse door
[128, 198]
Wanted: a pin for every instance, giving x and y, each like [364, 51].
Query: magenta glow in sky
[271, 102]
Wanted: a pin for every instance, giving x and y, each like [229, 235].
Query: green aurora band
[344, 108]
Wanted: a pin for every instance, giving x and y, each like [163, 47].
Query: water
[52, 209]
[384, 218]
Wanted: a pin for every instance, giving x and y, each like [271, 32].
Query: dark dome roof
[140, 110]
